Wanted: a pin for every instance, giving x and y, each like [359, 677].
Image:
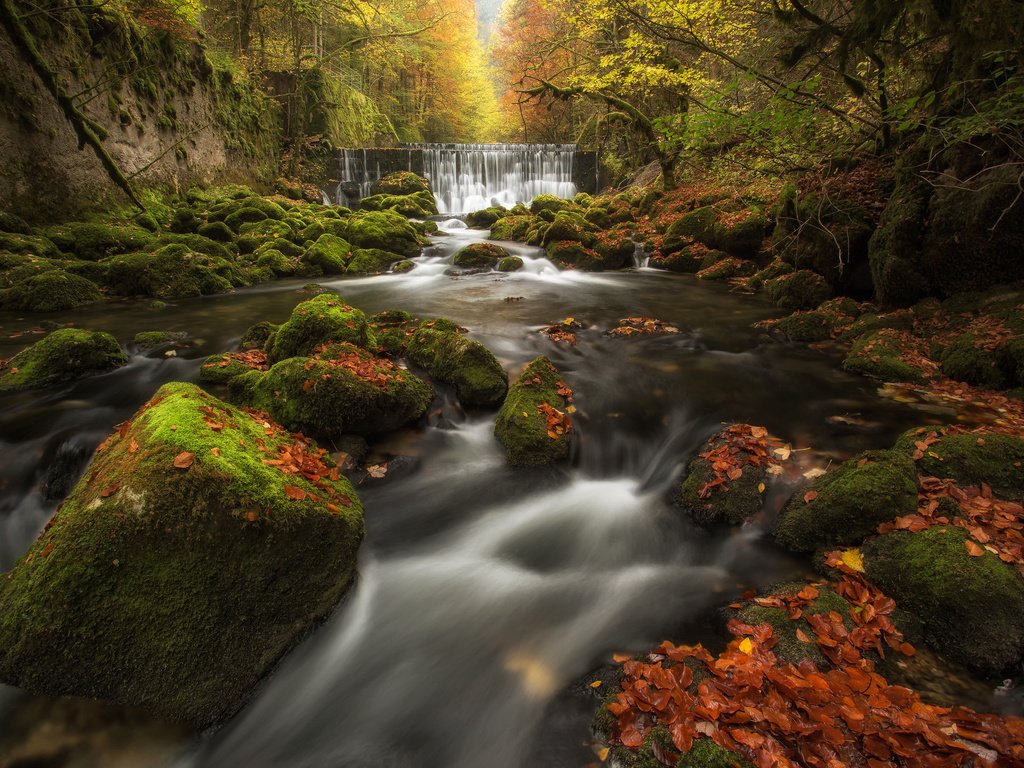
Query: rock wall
[168, 115]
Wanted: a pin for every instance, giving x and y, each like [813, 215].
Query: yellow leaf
[596, 684]
[603, 753]
[569, 321]
[746, 645]
[571, 409]
[526, 415]
[760, 487]
[853, 559]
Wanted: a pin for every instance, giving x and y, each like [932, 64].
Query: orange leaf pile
[631, 326]
[564, 332]
[558, 422]
[377, 371]
[253, 358]
[779, 714]
[734, 448]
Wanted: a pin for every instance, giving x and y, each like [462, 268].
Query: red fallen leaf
[294, 492]
[215, 451]
[802, 636]
[810, 496]
[344, 500]
[133, 446]
[184, 459]
[734, 473]
[252, 516]
[307, 385]
[173, 427]
[48, 548]
[907, 649]
[973, 549]
[110, 490]
[123, 427]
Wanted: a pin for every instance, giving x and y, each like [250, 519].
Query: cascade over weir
[468, 177]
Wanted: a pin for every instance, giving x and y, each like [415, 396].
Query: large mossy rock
[802, 289]
[512, 228]
[50, 291]
[182, 566]
[93, 241]
[476, 255]
[323, 319]
[522, 423]
[486, 218]
[417, 205]
[972, 459]
[849, 503]
[329, 254]
[172, 272]
[400, 183]
[729, 504]
[386, 230]
[439, 348]
[342, 390]
[884, 355]
[64, 355]
[971, 608]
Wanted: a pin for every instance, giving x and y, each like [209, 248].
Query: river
[483, 592]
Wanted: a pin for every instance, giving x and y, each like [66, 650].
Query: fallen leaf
[110, 490]
[294, 492]
[596, 684]
[854, 559]
[215, 451]
[973, 549]
[812, 474]
[746, 645]
[810, 496]
[184, 460]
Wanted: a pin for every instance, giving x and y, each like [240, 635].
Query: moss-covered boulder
[848, 504]
[968, 359]
[64, 355]
[478, 255]
[885, 355]
[256, 336]
[172, 272]
[92, 241]
[400, 183]
[549, 203]
[182, 566]
[486, 218]
[386, 230]
[371, 261]
[33, 245]
[972, 459]
[439, 348]
[417, 205]
[512, 228]
[510, 264]
[571, 227]
[344, 389]
[220, 369]
[728, 504]
[737, 232]
[217, 231]
[329, 254]
[393, 328]
[802, 289]
[522, 427]
[971, 608]
[323, 319]
[49, 292]
[147, 340]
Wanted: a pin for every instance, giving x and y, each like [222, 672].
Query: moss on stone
[789, 647]
[851, 502]
[320, 396]
[173, 271]
[511, 228]
[323, 319]
[196, 243]
[178, 589]
[510, 264]
[386, 230]
[480, 255]
[802, 289]
[486, 218]
[730, 504]
[971, 608]
[252, 236]
[998, 460]
[154, 339]
[417, 205]
[64, 355]
[49, 292]
[28, 244]
[217, 230]
[809, 326]
[439, 348]
[548, 203]
[329, 253]
[522, 428]
[403, 266]
[400, 183]
[243, 215]
[220, 369]
[967, 360]
[256, 336]
[279, 264]
[569, 226]
[92, 241]
[728, 268]
[371, 261]
[880, 354]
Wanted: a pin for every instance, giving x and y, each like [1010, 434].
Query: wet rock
[971, 608]
[386, 230]
[417, 205]
[182, 566]
[64, 355]
[477, 255]
[371, 261]
[50, 291]
[523, 425]
[512, 228]
[400, 183]
[256, 336]
[486, 218]
[149, 340]
[510, 264]
[728, 504]
[440, 348]
[884, 355]
[849, 503]
[798, 290]
[171, 272]
[970, 459]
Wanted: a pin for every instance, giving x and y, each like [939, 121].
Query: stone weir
[468, 177]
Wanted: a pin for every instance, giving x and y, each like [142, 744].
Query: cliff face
[169, 114]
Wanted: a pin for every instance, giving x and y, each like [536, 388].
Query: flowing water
[483, 592]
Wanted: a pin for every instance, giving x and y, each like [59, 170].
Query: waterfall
[464, 177]
[468, 177]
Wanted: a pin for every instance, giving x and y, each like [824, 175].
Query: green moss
[376, 397]
[330, 253]
[852, 501]
[28, 244]
[512, 228]
[510, 264]
[220, 369]
[777, 268]
[807, 326]
[971, 608]
[966, 360]
[257, 335]
[266, 232]
[728, 268]
[49, 292]
[184, 221]
[93, 241]
[798, 290]
[548, 203]
[730, 504]
[480, 255]
[244, 215]
[371, 261]
[386, 230]
[178, 589]
[196, 243]
[880, 354]
[789, 647]
[322, 319]
[571, 227]
[486, 218]
[173, 271]
[998, 461]
[525, 437]
[417, 205]
[448, 356]
[277, 263]
[400, 183]
[403, 266]
[706, 754]
[154, 339]
[64, 355]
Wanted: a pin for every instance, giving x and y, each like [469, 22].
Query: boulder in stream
[64, 355]
[532, 424]
[321, 320]
[200, 546]
[480, 255]
[439, 347]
